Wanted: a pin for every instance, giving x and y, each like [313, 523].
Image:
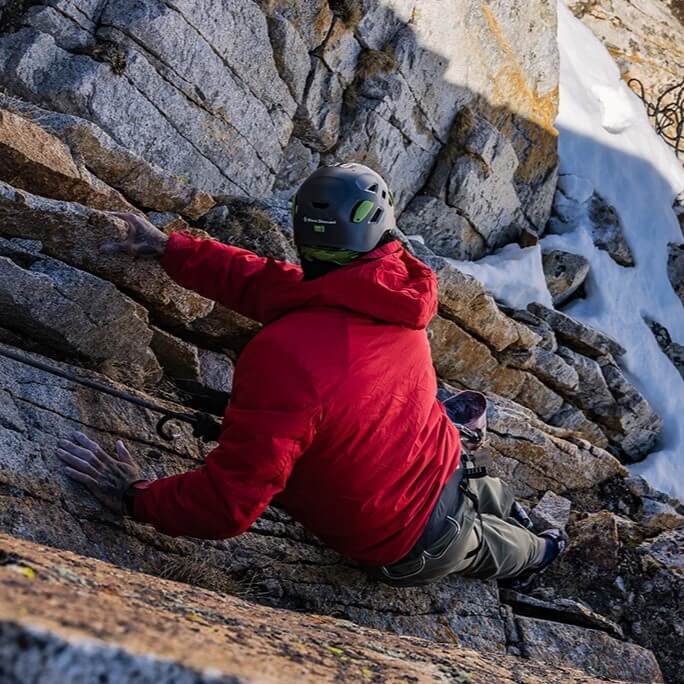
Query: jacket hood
[387, 284]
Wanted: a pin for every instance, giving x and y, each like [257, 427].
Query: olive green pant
[486, 546]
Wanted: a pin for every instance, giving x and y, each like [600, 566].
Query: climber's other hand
[107, 477]
[143, 240]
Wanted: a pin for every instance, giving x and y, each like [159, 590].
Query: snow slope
[607, 141]
[608, 145]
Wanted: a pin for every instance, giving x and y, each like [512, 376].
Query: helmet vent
[320, 205]
[384, 194]
[373, 188]
[362, 210]
[376, 216]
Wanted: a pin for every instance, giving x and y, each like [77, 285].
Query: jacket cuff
[132, 499]
[178, 249]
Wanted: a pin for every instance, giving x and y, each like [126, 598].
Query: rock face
[416, 91]
[631, 577]
[206, 116]
[32, 159]
[74, 234]
[80, 315]
[62, 614]
[143, 184]
[276, 563]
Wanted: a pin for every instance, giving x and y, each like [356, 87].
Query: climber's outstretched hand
[143, 240]
[107, 477]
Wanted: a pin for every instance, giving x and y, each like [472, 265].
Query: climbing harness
[468, 411]
[204, 426]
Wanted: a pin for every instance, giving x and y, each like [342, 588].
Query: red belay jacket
[333, 413]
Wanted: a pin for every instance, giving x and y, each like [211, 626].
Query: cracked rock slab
[552, 512]
[445, 230]
[631, 423]
[63, 613]
[74, 233]
[32, 159]
[185, 81]
[79, 315]
[142, 183]
[277, 562]
[607, 657]
[636, 582]
[463, 299]
[576, 334]
[560, 610]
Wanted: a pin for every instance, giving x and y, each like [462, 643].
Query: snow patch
[617, 110]
[612, 149]
[607, 145]
[513, 275]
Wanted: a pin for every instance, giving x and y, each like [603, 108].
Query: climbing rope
[204, 426]
[667, 112]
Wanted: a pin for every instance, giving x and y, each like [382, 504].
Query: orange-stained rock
[61, 613]
[35, 160]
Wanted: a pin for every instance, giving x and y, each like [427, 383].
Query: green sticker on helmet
[319, 229]
[362, 211]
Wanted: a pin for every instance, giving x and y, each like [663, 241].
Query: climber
[334, 415]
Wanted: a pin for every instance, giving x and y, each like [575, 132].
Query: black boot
[557, 543]
[519, 514]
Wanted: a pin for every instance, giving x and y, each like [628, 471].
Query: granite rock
[565, 274]
[69, 614]
[633, 580]
[445, 229]
[552, 512]
[80, 316]
[32, 159]
[608, 231]
[578, 335]
[675, 269]
[74, 233]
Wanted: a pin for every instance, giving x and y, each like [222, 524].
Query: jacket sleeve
[233, 277]
[270, 423]
[251, 464]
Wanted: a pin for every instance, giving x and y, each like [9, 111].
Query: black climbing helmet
[345, 206]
